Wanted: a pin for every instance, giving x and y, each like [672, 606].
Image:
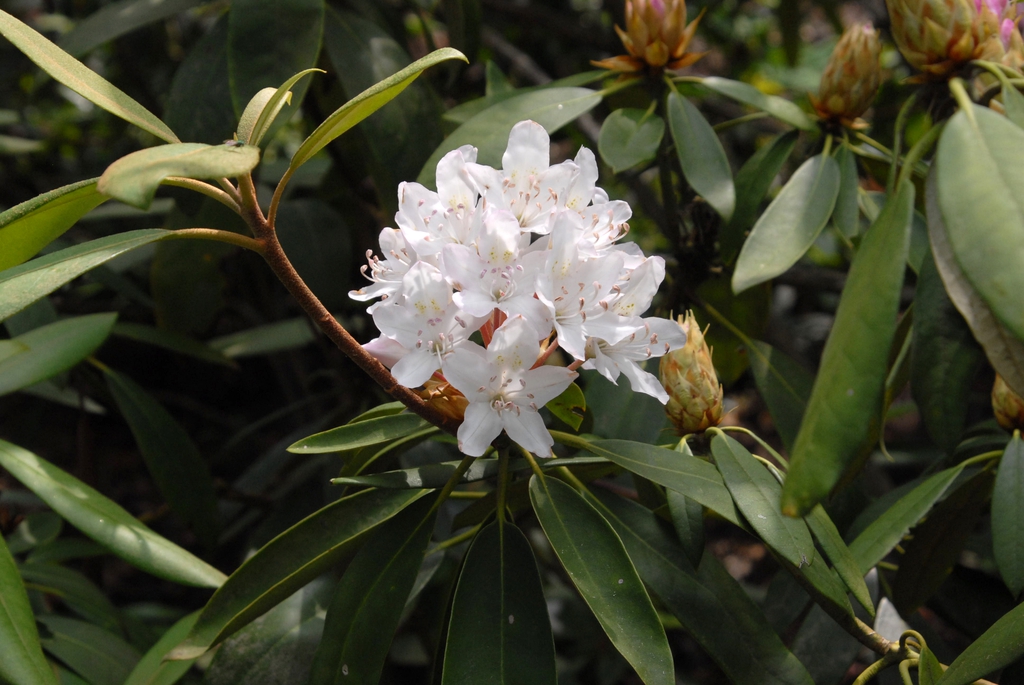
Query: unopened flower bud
[656, 37]
[940, 36]
[1007, 405]
[850, 80]
[695, 395]
[439, 394]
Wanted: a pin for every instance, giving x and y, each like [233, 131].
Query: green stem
[901, 122]
[616, 86]
[503, 477]
[959, 92]
[920, 148]
[206, 189]
[922, 170]
[746, 431]
[534, 466]
[458, 539]
[983, 457]
[874, 669]
[460, 471]
[467, 494]
[228, 237]
[570, 440]
[753, 116]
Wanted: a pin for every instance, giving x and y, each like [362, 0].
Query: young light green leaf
[629, 138]
[79, 78]
[251, 114]
[488, 131]
[29, 227]
[569, 406]
[701, 155]
[54, 349]
[172, 458]
[780, 108]
[272, 104]
[360, 434]
[756, 493]
[133, 179]
[116, 19]
[23, 662]
[499, 631]
[846, 215]
[976, 171]
[848, 392]
[1013, 103]
[999, 646]
[790, 225]
[97, 655]
[288, 562]
[106, 522]
[1008, 515]
[369, 599]
[366, 103]
[784, 385]
[152, 668]
[598, 565]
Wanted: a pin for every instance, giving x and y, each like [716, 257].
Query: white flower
[504, 392]
[653, 338]
[386, 274]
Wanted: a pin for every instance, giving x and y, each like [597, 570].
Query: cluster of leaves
[484, 570]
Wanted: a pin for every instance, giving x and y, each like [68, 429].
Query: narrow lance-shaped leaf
[701, 155]
[23, 662]
[152, 668]
[848, 392]
[999, 646]
[846, 216]
[253, 132]
[843, 561]
[598, 565]
[436, 475]
[115, 19]
[360, 434]
[784, 385]
[79, 78]
[1008, 515]
[106, 522]
[780, 108]
[97, 655]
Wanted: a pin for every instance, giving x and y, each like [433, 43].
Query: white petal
[528, 430]
[454, 186]
[514, 346]
[545, 383]
[415, 368]
[386, 350]
[480, 426]
[467, 370]
[528, 152]
[644, 382]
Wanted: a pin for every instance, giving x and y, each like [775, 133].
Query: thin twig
[206, 189]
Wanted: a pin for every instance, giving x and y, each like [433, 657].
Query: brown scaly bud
[940, 36]
[850, 80]
[1007, 405]
[695, 395]
[439, 394]
[656, 37]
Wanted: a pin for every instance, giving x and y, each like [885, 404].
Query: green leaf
[436, 475]
[316, 240]
[1008, 516]
[499, 631]
[615, 411]
[929, 670]
[79, 78]
[76, 591]
[846, 215]
[24, 284]
[1013, 103]
[999, 646]
[23, 662]
[753, 181]
[289, 334]
[187, 283]
[97, 655]
[784, 385]
[848, 392]
[288, 562]
[756, 493]
[106, 522]
[790, 225]
[116, 19]
[29, 227]
[364, 433]
[701, 155]
[629, 138]
[36, 529]
[365, 104]
[688, 520]
[488, 131]
[54, 349]
[199, 103]
[66, 549]
[845, 564]
[780, 108]
[171, 341]
[885, 532]
[944, 359]
[152, 669]
[824, 647]
[369, 599]
[569, 406]
[133, 179]
[460, 114]
[181, 474]
[265, 108]
[739, 639]
[599, 567]
[976, 170]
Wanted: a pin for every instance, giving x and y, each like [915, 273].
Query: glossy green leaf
[152, 669]
[688, 520]
[756, 493]
[885, 532]
[976, 171]
[181, 474]
[616, 412]
[569, 406]
[929, 670]
[753, 181]
[780, 108]
[937, 542]
[790, 225]
[366, 103]
[170, 341]
[54, 349]
[848, 392]
[106, 522]
[460, 114]
[784, 385]
[288, 334]
[97, 655]
[629, 138]
[1004, 350]
[701, 155]
[818, 580]
[23, 662]
[76, 591]
[116, 19]
[133, 179]
[36, 529]
[369, 599]
[360, 434]
[499, 630]
[598, 565]
[265, 108]
[944, 359]
[26, 283]
[488, 131]
[843, 561]
[29, 227]
[999, 646]
[846, 215]
[436, 475]
[1008, 516]
[288, 562]
[739, 639]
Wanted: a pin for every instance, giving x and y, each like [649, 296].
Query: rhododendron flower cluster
[528, 256]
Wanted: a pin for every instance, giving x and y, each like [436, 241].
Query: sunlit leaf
[780, 108]
[701, 155]
[629, 138]
[364, 433]
[569, 406]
